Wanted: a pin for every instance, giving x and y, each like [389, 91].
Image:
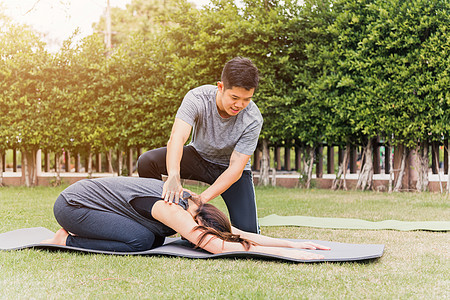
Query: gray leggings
[239, 198]
[102, 230]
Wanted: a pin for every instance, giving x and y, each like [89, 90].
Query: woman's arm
[274, 242]
[182, 222]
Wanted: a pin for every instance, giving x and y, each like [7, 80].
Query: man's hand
[172, 190]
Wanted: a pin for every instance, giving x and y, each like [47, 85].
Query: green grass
[415, 264]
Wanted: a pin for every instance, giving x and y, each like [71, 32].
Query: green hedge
[337, 72]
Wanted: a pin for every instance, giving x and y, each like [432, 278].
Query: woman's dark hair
[240, 72]
[214, 222]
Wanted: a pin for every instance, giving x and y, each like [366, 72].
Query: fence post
[434, 157]
[67, 161]
[330, 159]
[298, 158]
[445, 156]
[376, 156]
[46, 161]
[77, 162]
[130, 161]
[353, 158]
[387, 157]
[14, 160]
[277, 157]
[86, 163]
[319, 161]
[287, 156]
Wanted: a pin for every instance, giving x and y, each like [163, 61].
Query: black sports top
[144, 205]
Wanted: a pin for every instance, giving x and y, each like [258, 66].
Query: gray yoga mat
[340, 252]
[343, 223]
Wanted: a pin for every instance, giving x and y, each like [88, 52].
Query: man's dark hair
[240, 72]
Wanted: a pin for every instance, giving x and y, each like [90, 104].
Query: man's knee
[147, 164]
[252, 227]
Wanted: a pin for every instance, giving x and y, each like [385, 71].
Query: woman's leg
[101, 230]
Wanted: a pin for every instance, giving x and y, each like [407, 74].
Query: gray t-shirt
[215, 137]
[113, 194]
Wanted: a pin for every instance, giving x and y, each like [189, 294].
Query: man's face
[231, 101]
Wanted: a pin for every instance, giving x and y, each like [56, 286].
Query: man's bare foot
[59, 238]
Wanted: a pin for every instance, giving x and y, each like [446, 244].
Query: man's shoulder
[204, 91]
[252, 112]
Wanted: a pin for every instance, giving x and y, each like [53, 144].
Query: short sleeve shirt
[215, 137]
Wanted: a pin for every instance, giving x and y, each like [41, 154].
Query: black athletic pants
[239, 198]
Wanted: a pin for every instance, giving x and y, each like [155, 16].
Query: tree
[311, 111]
[143, 17]
[412, 47]
[23, 56]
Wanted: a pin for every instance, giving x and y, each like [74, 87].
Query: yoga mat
[343, 223]
[340, 252]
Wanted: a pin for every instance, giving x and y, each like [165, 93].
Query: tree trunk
[448, 167]
[274, 177]
[58, 156]
[309, 164]
[119, 162]
[89, 164]
[109, 157]
[29, 168]
[25, 169]
[340, 180]
[129, 161]
[399, 182]
[423, 163]
[264, 173]
[365, 179]
[1, 168]
[438, 170]
[391, 170]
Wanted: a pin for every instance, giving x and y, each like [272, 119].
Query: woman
[125, 214]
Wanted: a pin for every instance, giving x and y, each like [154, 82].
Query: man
[225, 126]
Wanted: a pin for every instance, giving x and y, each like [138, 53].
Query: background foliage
[332, 71]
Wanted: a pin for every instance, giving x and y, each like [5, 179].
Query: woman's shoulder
[117, 182]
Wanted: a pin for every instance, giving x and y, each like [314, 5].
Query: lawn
[415, 265]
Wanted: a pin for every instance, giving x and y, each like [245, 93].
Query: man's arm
[227, 178]
[172, 189]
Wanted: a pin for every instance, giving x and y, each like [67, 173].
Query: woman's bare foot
[59, 238]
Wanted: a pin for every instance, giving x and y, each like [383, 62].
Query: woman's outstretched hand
[305, 255]
[309, 246]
